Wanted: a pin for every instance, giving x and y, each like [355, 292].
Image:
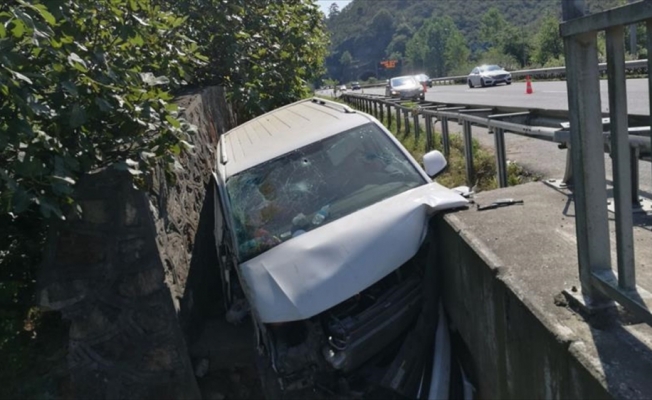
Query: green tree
[345, 61]
[493, 27]
[333, 11]
[264, 51]
[548, 43]
[85, 85]
[438, 47]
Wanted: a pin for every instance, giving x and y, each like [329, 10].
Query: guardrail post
[468, 153]
[634, 153]
[648, 28]
[375, 105]
[415, 120]
[406, 119]
[445, 140]
[568, 171]
[381, 110]
[398, 119]
[587, 145]
[501, 157]
[429, 124]
[389, 114]
[620, 156]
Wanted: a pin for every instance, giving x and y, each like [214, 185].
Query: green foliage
[549, 44]
[438, 47]
[511, 27]
[265, 51]
[85, 84]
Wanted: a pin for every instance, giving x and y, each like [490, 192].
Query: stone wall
[132, 273]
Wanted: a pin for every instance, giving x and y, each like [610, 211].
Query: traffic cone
[528, 87]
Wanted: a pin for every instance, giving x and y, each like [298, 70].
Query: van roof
[283, 130]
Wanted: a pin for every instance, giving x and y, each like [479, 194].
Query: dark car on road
[355, 86]
[404, 87]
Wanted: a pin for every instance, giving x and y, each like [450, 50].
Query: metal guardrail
[629, 142]
[600, 285]
[633, 65]
[545, 125]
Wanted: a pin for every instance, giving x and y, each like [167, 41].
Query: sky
[325, 4]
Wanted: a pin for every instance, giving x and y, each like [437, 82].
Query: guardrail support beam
[415, 120]
[468, 154]
[398, 119]
[429, 126]
[445, 142]
[406, 119]
[587, 144]
[620, 153]
[648, 28]
[501, 157]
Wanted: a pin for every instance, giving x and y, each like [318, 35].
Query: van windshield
[314, 185]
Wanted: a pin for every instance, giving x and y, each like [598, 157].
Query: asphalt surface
[547, 95]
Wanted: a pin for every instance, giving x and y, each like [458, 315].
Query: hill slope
[372, 30]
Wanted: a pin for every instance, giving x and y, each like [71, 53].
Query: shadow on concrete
[225, 350]
[610, 327]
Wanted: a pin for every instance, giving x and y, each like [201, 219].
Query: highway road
[547, 95]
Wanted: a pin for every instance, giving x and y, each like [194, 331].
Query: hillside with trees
[444, 37]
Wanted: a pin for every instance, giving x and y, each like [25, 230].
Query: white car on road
[486, 75]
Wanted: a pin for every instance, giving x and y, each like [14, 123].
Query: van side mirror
[434, 163]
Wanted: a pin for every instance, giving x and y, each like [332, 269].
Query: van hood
[317, 270]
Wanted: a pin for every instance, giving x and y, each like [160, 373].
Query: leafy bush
[265, 51]
[85, 84]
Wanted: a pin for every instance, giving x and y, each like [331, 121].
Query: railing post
[634, 153]
[468, 153]
[620, 156]
[389, 115]
[381, 110]
[648, 28]
[406, 119]
[375, 109]
[568, 171]
[587, 145]
[398, 119]
[429, 124]
[501, 157]
[445, 142]
[415, 121]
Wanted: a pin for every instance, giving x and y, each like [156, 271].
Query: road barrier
[631, 144]
[634, 66]
[600, 285]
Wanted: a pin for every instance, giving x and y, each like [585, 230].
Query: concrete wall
[514, 355]
[125, 273]
[503, 274]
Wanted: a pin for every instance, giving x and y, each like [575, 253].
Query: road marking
[474, 90]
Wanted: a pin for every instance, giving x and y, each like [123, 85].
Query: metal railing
[545, 125]
[600, 285]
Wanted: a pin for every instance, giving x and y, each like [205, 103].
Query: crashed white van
[321, 223]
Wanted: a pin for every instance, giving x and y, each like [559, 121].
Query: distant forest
[447, 37]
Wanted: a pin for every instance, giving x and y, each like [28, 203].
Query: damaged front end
[344, 349]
